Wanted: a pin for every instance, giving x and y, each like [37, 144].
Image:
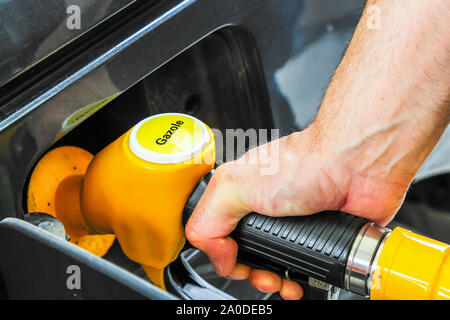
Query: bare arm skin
[386, 108]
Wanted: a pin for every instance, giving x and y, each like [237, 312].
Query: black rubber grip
[316, 245]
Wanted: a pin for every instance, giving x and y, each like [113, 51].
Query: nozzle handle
[297, 247]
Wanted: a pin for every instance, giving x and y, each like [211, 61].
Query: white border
[167, 158]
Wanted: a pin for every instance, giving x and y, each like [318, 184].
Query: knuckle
[223, 175]
[193, 236]
[224, 171]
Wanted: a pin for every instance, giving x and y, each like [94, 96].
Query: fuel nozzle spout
[136, 189]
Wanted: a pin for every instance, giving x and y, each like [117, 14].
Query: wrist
[391, 151]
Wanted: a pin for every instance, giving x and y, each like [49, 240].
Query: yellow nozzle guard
[137, 187]
[411, 266]
[54, 189]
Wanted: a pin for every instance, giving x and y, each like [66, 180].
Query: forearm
[388, 103]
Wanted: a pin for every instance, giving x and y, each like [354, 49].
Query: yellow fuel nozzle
[136, 188]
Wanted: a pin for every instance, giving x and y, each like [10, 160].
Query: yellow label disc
[168, 138]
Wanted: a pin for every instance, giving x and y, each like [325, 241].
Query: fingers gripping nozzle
[342, 250]
[325, 246]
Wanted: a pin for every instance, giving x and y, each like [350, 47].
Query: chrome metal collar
[363, 254]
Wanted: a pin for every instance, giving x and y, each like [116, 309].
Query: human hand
[305, 183]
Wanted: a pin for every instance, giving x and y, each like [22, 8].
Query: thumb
[216, 215]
